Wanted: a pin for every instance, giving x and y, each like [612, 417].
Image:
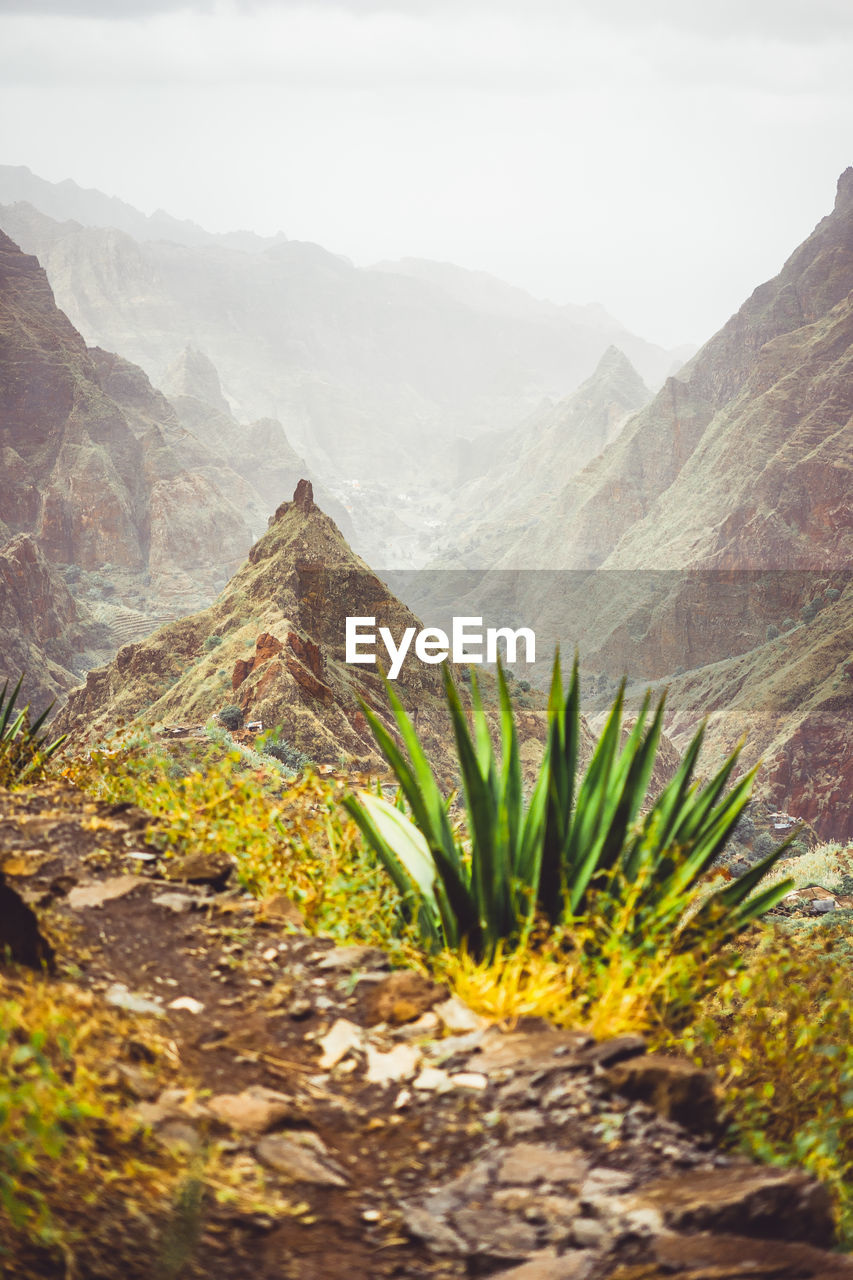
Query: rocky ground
[401, 1135]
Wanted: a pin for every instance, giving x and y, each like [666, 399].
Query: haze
[660, 162]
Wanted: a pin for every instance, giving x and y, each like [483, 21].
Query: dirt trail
[404, 1137]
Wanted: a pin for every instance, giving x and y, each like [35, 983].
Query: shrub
[231, 717]
[212, 642]
[576, 850]
[772, 631]
[780, 1036]
[832, 594]
[291, 757]
[23, 751]
[763, 844]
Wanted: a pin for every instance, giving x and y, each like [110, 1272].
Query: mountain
[361, 366]
[792, 700]
[97, 469]
[44, 632]
[259, 451]
[743, 459]
[719, 517]
[524, 468]
[67, 201]
[273, 643]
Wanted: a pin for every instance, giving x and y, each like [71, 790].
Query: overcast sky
[660, 157]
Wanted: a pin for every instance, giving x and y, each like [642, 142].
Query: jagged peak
[844, 193]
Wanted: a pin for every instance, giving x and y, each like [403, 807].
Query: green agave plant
[578, 845]
[22, 751]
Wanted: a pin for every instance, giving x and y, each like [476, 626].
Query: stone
[527, 1163]
[576, 1265]
[255, 1110]
[434, 1231]
[607, 1052]
[348, 959]
[96, 892]
[471, 1080]
[433, 1080]
[589, 1233]
[179, 903]
[213, 869]
[295, 1160]
[492, 1234]
[186, 1003]
[338, 1041]
[388, 1068]
[673, 1087]
[457, 1018]
[119, 997]
[743, 1200]
[400, 997]
[705, 1257]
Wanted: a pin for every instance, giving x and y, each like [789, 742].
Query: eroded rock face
[292, 597]
[96, 466]
[42, 628]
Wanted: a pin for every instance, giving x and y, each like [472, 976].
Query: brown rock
[725, 1257]
[401, 997]
[672, 1086]
[266, 647]
[255, 1110]
[295, 1159]
[744, 1200]
[528, 1162]
[308, 681]
[201, 868]
[307, 652]
[241, 670]
[576, 1265]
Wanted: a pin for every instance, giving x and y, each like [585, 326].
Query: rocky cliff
[98, 469]
[274, 645]
[44, 633]
[742, 460]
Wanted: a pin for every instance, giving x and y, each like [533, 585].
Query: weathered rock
[348, 959]
[674, 1087]
[295, 1160]
[97, 892]
[213, 869]
[401, 997]
[744, 1200]
[458, 1018]
[527, 1163]
[576, 1265]
[121, 998]
[255, 1110]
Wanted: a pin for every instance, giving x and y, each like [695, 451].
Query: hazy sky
[660, 157]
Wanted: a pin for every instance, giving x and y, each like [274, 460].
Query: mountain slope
[527, 466]
[360, 366]
[92, 461]
[752, 432]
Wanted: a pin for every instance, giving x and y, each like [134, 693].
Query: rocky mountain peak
[844, 194]
[194, 374]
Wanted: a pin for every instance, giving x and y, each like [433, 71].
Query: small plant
[772, 631]
[291, 757]
[212, 642]
[23, 752]
[577, 849]
[231, 717]
[832, 594]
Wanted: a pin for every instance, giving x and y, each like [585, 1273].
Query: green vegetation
[589, 904]
[23, 751]
[578, 850]
[231, 717]
[779, 1035]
